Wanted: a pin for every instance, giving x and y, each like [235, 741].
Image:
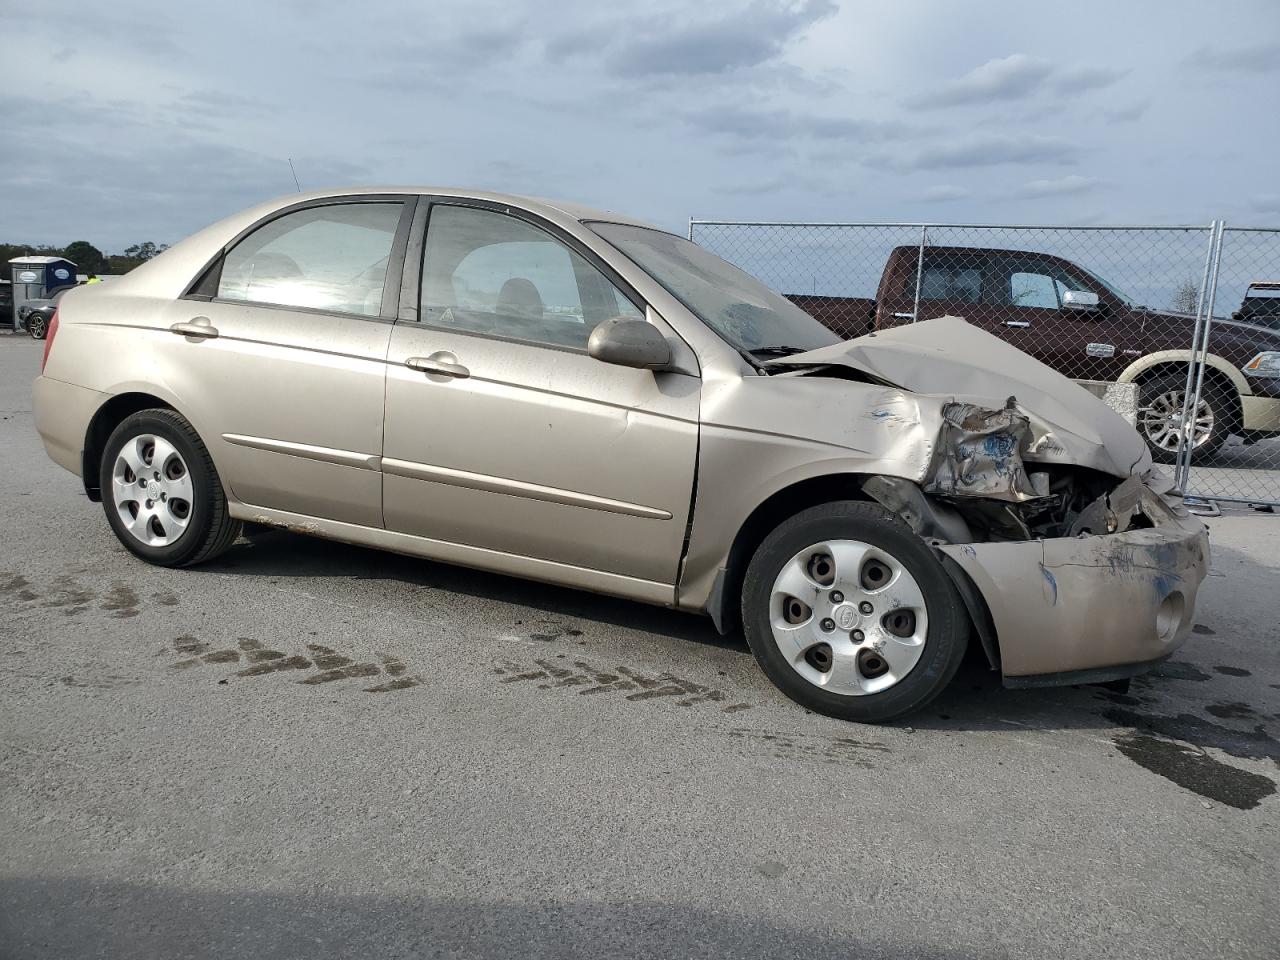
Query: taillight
[48, 339]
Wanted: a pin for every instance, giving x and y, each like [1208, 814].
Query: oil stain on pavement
[1176, 748]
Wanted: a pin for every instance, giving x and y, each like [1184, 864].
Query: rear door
[279, 355]
[503, 434]
[951, 284]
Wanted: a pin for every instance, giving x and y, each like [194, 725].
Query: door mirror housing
[629, 343]
[1080, 300]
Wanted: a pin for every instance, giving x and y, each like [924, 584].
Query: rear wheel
[850, 614]
[1160, 412]
[161, 493]
[37, 326]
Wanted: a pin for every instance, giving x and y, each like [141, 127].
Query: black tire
[1222, 402]
[948, 622]
[37, 326]
[210, 528]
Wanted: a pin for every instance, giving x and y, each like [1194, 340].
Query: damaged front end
[1070, 575]
[1045, 509]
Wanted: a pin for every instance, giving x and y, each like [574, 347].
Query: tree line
[86, 257]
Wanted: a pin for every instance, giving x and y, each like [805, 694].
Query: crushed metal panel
[979, 454]
[946, 358]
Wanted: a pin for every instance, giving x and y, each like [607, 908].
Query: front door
[503, 434]
[1026, 295]
[281, 356]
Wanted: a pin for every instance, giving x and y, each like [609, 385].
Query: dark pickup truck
[1077, 323]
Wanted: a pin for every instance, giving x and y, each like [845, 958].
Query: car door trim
[307, 451]
[517, 488]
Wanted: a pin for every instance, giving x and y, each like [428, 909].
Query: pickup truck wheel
[37, 327]
[850, 614]
[1160, 417]
[161, 493]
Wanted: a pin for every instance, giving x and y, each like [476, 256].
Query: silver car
[576, 397]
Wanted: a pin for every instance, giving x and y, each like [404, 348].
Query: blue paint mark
[999, 446]
[1052, 581]
[1165, 584]
[968, 550]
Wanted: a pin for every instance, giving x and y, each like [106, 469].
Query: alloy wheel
[1161, 421]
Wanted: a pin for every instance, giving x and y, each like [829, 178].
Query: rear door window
[332, 258]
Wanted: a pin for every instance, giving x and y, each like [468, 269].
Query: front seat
[519, 298]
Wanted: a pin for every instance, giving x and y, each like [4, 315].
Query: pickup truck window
[738, 307]
[1033, 290]
[962, 284]
[1031, 282]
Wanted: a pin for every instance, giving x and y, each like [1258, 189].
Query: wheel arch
[1147, 366]
[105, 419]
[784, 502]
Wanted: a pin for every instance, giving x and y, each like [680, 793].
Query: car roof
[936, 248]
[576, 211]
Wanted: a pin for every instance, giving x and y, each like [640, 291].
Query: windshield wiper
[781, 350]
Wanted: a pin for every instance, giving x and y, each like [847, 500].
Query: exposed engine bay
[979, 488]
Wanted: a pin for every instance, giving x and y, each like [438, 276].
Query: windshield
[738, 307]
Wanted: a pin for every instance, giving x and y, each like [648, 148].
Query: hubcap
[151, 489]
[1162, 421]
[848, 617]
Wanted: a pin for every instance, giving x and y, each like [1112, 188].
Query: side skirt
[481, 558]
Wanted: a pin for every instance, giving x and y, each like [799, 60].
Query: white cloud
[1007, 78]
[1059, 187]
[945, 193]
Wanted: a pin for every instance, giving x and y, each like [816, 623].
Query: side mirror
[629, 343]
[1079, 300]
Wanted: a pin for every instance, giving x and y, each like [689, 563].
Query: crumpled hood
[948, 357]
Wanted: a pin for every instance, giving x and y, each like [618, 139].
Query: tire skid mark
[635, 686]
[331, 666]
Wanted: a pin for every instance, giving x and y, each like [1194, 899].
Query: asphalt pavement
[312, 750]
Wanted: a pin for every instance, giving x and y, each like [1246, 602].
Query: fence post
[691, 229]
[1200, 355]
[924, 240]
[1183, 462]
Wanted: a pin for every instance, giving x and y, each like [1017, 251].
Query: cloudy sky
[145, 121]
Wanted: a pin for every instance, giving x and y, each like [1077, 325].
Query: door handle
[199, 328]
[1020, 324]
[442, 363]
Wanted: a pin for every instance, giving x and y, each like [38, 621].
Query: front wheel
[851, 615]
[161, 493]
[37, 326]
[1160, 412]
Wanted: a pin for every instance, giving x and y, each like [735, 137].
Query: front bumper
[1087, 606]
[1261, 414]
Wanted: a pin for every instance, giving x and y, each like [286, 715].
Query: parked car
[1261, 305]
[1084, 327]
[36, 315]
[573, 396]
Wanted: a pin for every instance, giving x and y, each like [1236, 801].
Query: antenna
[295, 175]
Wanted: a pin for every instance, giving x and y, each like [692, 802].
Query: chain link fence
[1143, 316]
